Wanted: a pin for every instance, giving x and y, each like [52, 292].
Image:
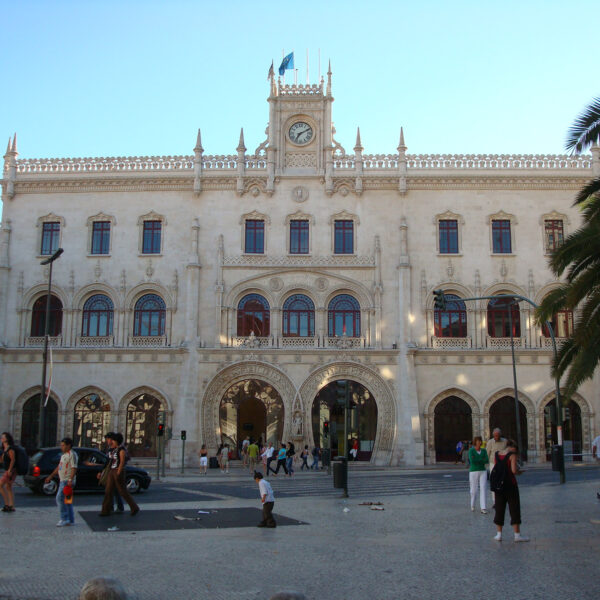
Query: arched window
[38, 317]
[451, 322]
[149, 316]
[142, 422]
[253, 316]
[298, 316]
[343, 316]
[562, 324]
[98, 314]
[498, 318]
[30, 423]
[91, 421]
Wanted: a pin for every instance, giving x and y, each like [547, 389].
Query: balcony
[149, 341]
[503, 343]
[451, 342]
[38, 341]
[100, 341]
[336, 342]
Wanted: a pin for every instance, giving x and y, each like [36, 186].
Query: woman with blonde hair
[478, 459]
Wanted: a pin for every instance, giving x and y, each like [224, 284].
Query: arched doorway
[329, 407]
[250, 408]
[572, 432]
[30, 423]
[452, 423]
[142, 425]
[91, 421]
[502, 415]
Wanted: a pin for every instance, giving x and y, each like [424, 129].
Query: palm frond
[581, 369]
[551, 304]
[588, 192]
[577, 250]
[585, 130]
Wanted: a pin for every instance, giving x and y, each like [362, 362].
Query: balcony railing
[99, 341]
[38, 341]
[451, 342]
[503, 343]
[282, 342]
[150, 341]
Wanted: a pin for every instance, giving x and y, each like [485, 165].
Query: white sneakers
[521, 538]
[498, 536]
[484, 511]
[62, 523]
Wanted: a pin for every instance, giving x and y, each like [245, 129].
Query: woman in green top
[478, 459]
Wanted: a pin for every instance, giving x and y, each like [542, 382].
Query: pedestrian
[478, 459]
[219, 455]
[268, 457]
[316, 451]
[495, 444]
[67, 471]
[596, 454]
[291, 451]
[9, 458]
[507, 469]
[281, 460]
[354, 449]
[203, 454]
[116, 497]
[252, 453]
[268, 500]
[245, 445]
[116, 477]
[225, 459]
[459, 449]
[304, 456]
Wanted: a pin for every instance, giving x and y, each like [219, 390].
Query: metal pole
[346, 408]
[163, 455]
[157, 457]
[42, 417]
[182, 455]
[514, 368]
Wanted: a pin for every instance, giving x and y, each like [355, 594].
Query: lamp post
[514, 368]
[48, 261]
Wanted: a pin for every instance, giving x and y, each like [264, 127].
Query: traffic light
[326, 428]
[183, 434]
[161, 429]
[566, 413]
[439, 300]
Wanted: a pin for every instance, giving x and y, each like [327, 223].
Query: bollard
[340, 474]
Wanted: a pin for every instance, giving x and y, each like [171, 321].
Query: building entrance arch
[453, 422]
[251, 409]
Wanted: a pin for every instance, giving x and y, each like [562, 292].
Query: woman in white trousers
[478, 459]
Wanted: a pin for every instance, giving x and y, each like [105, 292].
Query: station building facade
[249, 294]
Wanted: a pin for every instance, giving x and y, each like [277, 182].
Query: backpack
[499, 479]
[21, 460]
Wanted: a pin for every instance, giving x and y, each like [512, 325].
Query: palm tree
[579, 256]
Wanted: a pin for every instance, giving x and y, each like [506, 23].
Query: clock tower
[300, 141]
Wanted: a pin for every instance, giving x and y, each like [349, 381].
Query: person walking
[9, 458]
[203, 454]
[281, 460]
[225, 459]
[478, 459]
[116, 477]
[268, 500]
[221, 446]
[304, 456]
[245, 445]
[268, 456]
[354, 449]
[596, 455]
[252, 453]
[507, 469]
[67, 471]
[495, 444]
[315, 455]
[291, 451]
[458, 450]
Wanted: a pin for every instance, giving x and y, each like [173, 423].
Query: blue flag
[286, 63]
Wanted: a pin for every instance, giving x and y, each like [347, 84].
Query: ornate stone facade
[392, 209]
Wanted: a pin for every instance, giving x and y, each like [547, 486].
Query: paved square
[165, 520]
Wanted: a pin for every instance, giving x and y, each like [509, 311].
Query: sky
[138, 78]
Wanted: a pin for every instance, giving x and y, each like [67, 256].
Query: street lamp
[48, 261]
[511, 305]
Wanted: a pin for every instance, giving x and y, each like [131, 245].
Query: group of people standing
[503, 453]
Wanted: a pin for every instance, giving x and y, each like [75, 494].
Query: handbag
[104, 476]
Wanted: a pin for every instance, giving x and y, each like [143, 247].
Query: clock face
[301, 133]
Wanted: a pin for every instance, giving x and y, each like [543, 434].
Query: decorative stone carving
[299, 194]
[297, 428]
[149, 269]
[275, 284]
[98, 270]
[321, 284]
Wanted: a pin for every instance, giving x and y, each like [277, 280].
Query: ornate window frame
[151, 216]
[90, 225]
[299, 216]
[503, 216]
[448, 216]
[344, 215]
[553, 216]
[254, 216]
[49, 218]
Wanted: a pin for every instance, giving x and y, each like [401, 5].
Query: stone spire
[402, 166]
[241, 163]
[198, 150]
[328, 93]
[358, 146]
[10, 167]
[358, 163]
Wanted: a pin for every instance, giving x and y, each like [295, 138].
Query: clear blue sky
[133, 77]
